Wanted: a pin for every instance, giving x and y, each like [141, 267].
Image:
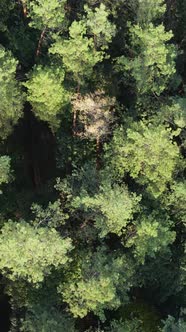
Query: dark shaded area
[4, 313]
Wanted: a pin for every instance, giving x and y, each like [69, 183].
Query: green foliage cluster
[80, 49]
[147, 153]
[46, 93]
[94, 284]
[41, 319]
[30, 253]
[10, 93]
[151, 235]
[46, 13]
[148, 10]
[6, 7]
[153, 61]
[4, 169]
[112, 208]
[99, 26]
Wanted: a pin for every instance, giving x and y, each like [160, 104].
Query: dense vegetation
[92, 165]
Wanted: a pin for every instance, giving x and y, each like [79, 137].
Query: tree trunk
[40, 42]
[98, 151]
[75, 114]
[24, 8]
[74, 122]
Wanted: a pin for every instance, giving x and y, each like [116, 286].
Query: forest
[92, 166]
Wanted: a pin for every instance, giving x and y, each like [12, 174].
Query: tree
[93, 284]
[127, 326]
[53, 216]
[79, 49]
[47, 94]
[99, 26]
[112, 208]
[46, 15]
[153, 60]
[175, 201]
[6, 7]
[151, 235]
[10, 94]
[84, 39]
[148, 10]
[171, 325]
[147, 153]
[30, 253]
[44, 319]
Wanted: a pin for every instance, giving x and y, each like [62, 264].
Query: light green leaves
[10, 94]
[99, 26]
[4, 169]
[87, 41]
[78, 53]
[147, 153]
[47, 94]
[93, 286]
[152, 234]
[30, 253]
[153, 63]
[112, 208]
[46, 13]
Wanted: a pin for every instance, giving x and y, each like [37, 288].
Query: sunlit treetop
[5, 172]
[78, 53]
[47, 94]
[152, 64]
[94, 283]
[150, 235]
[11, 96]
[46, 13]
[99, 26]
[30, 253]
[147, 153]
[112, 208]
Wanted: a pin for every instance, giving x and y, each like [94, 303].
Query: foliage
[112, 208]
[147, 153]
[99, 26]
[141, 314]
[176, 201]
[30, 253]
[4, 169]
[79, 49]
[47, 94]
[96, 99]
[152, 64]
[40, 319]
[93, 286]
[52, 216]
[148, 10]
[10, 94]
[46, 13]
[170, 325]
[6, 7]
[127, 326]
[151, 235]
[175, 113]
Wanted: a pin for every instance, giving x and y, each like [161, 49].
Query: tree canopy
[92, 165]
